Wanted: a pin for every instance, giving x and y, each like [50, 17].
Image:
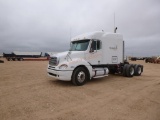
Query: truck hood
[71, 55]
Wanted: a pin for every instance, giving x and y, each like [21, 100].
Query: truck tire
[137, 70]
[124, 70]
[129, 70]
[79, 76]
[133, 65]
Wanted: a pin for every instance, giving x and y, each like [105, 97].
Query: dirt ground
[27, 93]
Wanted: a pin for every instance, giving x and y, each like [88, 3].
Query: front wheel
[79, 76]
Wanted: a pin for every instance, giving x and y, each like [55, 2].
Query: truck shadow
[103, 80]
[60, 83]
[110, 78]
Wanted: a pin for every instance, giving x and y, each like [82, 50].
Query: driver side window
[96, 45]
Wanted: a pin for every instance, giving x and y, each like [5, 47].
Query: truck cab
[91, 55]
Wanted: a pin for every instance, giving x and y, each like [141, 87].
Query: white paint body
[111, 52]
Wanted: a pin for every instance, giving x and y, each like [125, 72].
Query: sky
[48, 25]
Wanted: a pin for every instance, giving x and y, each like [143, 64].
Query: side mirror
[91, 50]
[92, 46]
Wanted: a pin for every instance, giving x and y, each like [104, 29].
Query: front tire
[79, 76]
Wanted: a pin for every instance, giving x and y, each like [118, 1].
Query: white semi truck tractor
[92, 55]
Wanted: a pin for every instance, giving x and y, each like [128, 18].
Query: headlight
[54, 61]
[63, 66]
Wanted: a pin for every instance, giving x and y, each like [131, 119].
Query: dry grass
[27, 93]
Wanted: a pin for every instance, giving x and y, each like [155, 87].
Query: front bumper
[64, 75]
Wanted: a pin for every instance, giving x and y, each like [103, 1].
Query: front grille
[51, 67]
[53, 61]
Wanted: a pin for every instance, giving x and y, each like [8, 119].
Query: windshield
[81, 45]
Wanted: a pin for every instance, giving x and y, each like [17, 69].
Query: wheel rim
[81, 77]
[131, 71]
[139, 70]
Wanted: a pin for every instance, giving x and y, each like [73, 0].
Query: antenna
[70, 34]
[114, 20]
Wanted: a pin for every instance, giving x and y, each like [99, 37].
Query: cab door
[94, 56]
